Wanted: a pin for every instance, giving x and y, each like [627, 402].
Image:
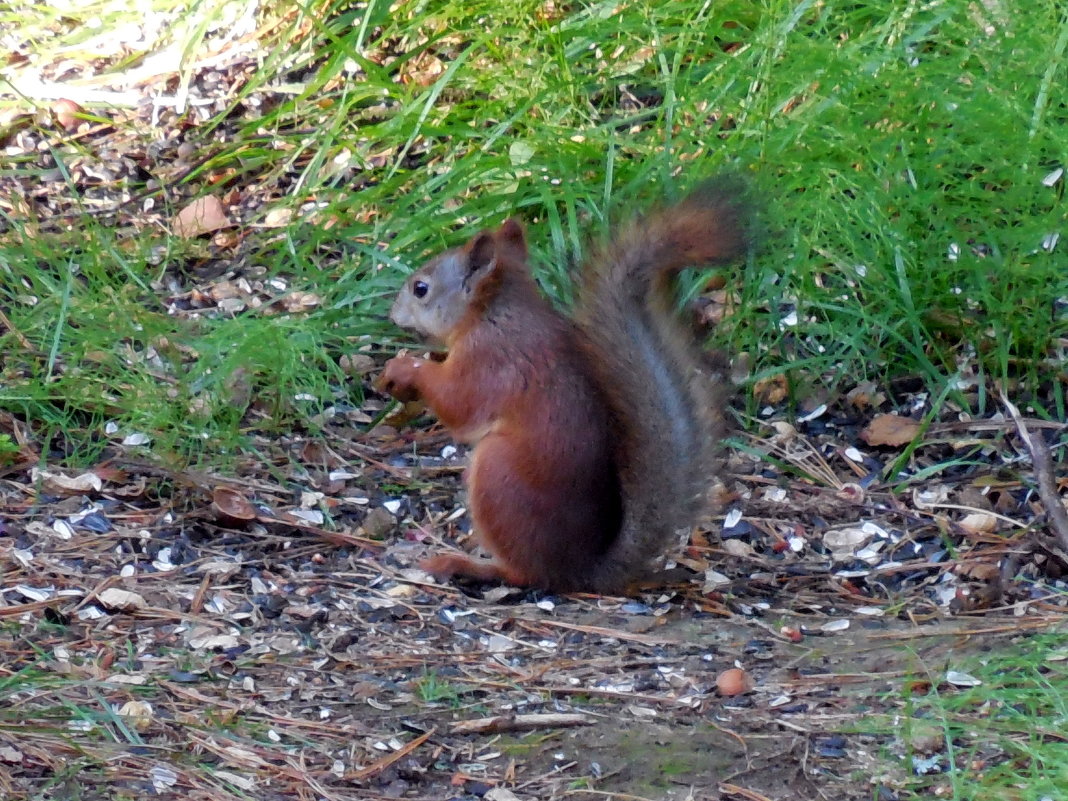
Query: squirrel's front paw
[398, 379]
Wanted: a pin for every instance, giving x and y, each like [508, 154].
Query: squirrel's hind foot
[451, 565]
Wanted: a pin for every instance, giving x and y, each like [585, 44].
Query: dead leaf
[356, 364]
[501, 794]
[67, 485]
[66, 112]
[114, 598]
[138, 714]
[864, 395]
[202, 638]
[980, 571]
[129, 490]
[242, 782]
[772, 390]
[203, 215]
[843, 543]
[979, 523]
[423, 70]
[891, 429]
[405, 414]
[278, 218]
[296, 302]
[225, 290]
[852, 492]
[114, 475]
[231, 507]
[738, 548]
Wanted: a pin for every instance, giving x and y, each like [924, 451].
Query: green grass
[1001, 739]
[432, 689]
[8, 449]
[881, 137]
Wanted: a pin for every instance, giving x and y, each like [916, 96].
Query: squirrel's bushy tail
[670, 409]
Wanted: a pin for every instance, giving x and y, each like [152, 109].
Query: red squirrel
[594, 437]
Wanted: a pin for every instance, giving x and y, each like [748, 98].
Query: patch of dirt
[173, 633]
[782, 741]
[157, 643]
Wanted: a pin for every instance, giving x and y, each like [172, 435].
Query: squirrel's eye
[420, 288]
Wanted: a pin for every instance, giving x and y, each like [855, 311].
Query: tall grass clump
[906, 158]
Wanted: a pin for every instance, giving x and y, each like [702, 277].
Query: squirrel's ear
[481, 252]
[512, 232]
[512, 239]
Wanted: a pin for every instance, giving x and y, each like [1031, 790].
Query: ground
[160, 644]
[242, 617]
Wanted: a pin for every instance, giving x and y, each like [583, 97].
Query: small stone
[925, 738]
[379, 523]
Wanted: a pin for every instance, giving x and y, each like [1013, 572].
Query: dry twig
[532, 722]
[1047, 483]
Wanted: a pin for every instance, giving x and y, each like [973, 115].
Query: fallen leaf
[979, 523]
[231, 507]
[843, 543]
[864, 395]
[296, 302]
[66, 112]
[35, 593]
[738, 548]
[959, 679]
[243, 782]
[852, 492]
[162, 778]
[891, 429]
[772, 390]
[67, 485]
[980, 571]
[114, 475]
[131, 679]
[203, 215]
[278, 218]
[356, 364]
[204, 641]
[423, 70]
[114, 598]
[139, 714]
[225, 290]
[500, 794]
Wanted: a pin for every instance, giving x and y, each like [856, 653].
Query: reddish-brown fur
[542, 484]
[593, 439]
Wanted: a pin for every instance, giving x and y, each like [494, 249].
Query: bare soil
[276, 658]
[261, 633]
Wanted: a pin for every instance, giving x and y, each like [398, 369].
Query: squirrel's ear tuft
[511, 237]
[512, 230]
[481, 252]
